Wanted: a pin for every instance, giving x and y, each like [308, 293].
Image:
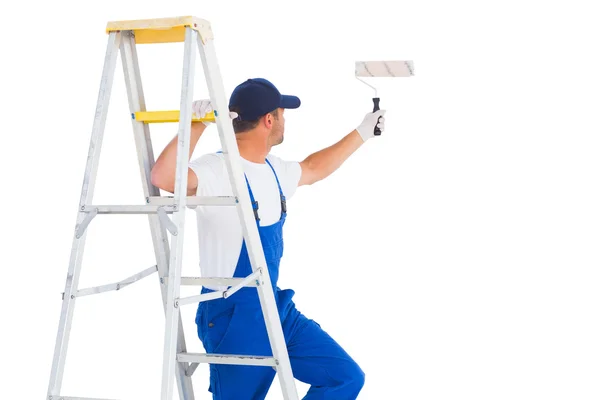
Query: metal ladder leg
[174, 281]
[146, 161]
[257, 257]
[83, 217]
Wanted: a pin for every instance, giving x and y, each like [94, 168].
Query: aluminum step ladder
[178, 364]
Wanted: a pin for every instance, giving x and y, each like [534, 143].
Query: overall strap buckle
[255, 207]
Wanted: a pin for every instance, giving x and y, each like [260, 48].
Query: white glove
[366, 129]
[202, 107]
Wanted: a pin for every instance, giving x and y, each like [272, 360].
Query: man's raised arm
[163, 172]
[323, 163]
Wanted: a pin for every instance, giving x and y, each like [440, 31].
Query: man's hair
[240, 126]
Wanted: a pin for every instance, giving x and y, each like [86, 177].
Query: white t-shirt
[219, 230]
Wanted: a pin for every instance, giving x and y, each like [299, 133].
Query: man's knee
[356, 380]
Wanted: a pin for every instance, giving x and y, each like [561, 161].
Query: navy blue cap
[257, 97]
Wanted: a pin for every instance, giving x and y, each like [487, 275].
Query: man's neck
[253, 150]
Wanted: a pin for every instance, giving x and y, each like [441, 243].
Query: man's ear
[268, 120]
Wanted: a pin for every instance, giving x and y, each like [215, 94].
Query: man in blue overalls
[235, 325]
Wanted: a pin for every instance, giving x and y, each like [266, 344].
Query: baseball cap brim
[288, 101]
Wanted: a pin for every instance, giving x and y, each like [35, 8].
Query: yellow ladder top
[162, 30]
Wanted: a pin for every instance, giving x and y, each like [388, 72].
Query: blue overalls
[236, 326]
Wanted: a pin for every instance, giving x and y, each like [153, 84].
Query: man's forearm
[166, 163]
[323, 163]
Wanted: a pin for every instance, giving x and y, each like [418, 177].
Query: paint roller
[382, 69]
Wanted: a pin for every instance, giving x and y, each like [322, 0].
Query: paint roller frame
[382, 69]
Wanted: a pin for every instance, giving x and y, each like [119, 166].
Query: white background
[455, 257]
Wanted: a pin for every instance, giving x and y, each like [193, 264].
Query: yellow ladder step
[150, 117]
[162, 30]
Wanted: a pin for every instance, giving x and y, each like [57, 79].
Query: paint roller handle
[376, 131]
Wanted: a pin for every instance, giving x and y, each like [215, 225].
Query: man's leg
[240, 382]
[317, 359]
[235, 331]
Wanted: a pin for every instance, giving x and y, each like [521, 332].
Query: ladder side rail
[181, 179]
[146, 161]
[246, 214]
[87, 192]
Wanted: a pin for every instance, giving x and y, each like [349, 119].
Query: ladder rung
[199, 281]
[162, 30]
[76, 398]
[127, 209]
[167, 203]
[226, 359]
[150, 117]
[195, 200]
